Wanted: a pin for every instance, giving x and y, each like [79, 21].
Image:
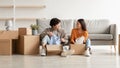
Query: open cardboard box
[54, 49]
[79, 49]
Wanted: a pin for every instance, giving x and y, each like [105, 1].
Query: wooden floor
[101, 58]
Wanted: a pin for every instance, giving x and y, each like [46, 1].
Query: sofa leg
[111, 49]
[115, 48]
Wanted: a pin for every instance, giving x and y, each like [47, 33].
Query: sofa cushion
[101, 36]
[98, 26]
[43, 23]
[67, 25]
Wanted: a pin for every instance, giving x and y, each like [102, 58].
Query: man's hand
[50, 33]
[62, 40]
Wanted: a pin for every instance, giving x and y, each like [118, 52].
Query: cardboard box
[9, 34]
[5, 47]
[25, 31]
[28, 45]
[79, 49]
[8, 42]
[54, 49]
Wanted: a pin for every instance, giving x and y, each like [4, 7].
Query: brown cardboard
[28, 45]
[54, 49]
[25, 31]
[7, 41]
[5, 47]
[78, 48]
[8, 34]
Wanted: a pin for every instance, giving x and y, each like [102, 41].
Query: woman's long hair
[83, 25]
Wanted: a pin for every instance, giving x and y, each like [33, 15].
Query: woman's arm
[72, 37]
[85, 34]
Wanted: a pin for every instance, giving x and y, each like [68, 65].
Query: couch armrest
[113, 31]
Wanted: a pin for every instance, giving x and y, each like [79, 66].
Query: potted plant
[34, 28]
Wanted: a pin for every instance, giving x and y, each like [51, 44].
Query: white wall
[74, 9]
[88, 9]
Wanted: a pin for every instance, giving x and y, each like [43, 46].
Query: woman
[79, 35]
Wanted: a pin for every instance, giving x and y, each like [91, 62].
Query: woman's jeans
[88, 43]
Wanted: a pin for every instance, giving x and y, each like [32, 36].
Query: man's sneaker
[43, 52]
[87, 53]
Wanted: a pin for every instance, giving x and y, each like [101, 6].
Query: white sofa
[101, 32]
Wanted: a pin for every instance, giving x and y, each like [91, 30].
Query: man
[54, 35]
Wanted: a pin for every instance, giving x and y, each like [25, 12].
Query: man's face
[57, 26]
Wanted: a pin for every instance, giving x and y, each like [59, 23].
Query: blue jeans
[51, 40]
[88, 43]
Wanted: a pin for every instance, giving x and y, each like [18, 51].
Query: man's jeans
[51, 40]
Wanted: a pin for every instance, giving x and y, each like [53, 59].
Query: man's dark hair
[54, 22]
[83, 25]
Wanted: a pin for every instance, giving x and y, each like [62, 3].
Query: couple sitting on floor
[55, 35]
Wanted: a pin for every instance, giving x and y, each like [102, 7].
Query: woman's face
[78, 25]
[57, 26]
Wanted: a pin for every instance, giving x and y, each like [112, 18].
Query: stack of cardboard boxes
[8, 42]
[28, 44]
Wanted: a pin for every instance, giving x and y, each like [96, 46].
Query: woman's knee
[88, 43]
